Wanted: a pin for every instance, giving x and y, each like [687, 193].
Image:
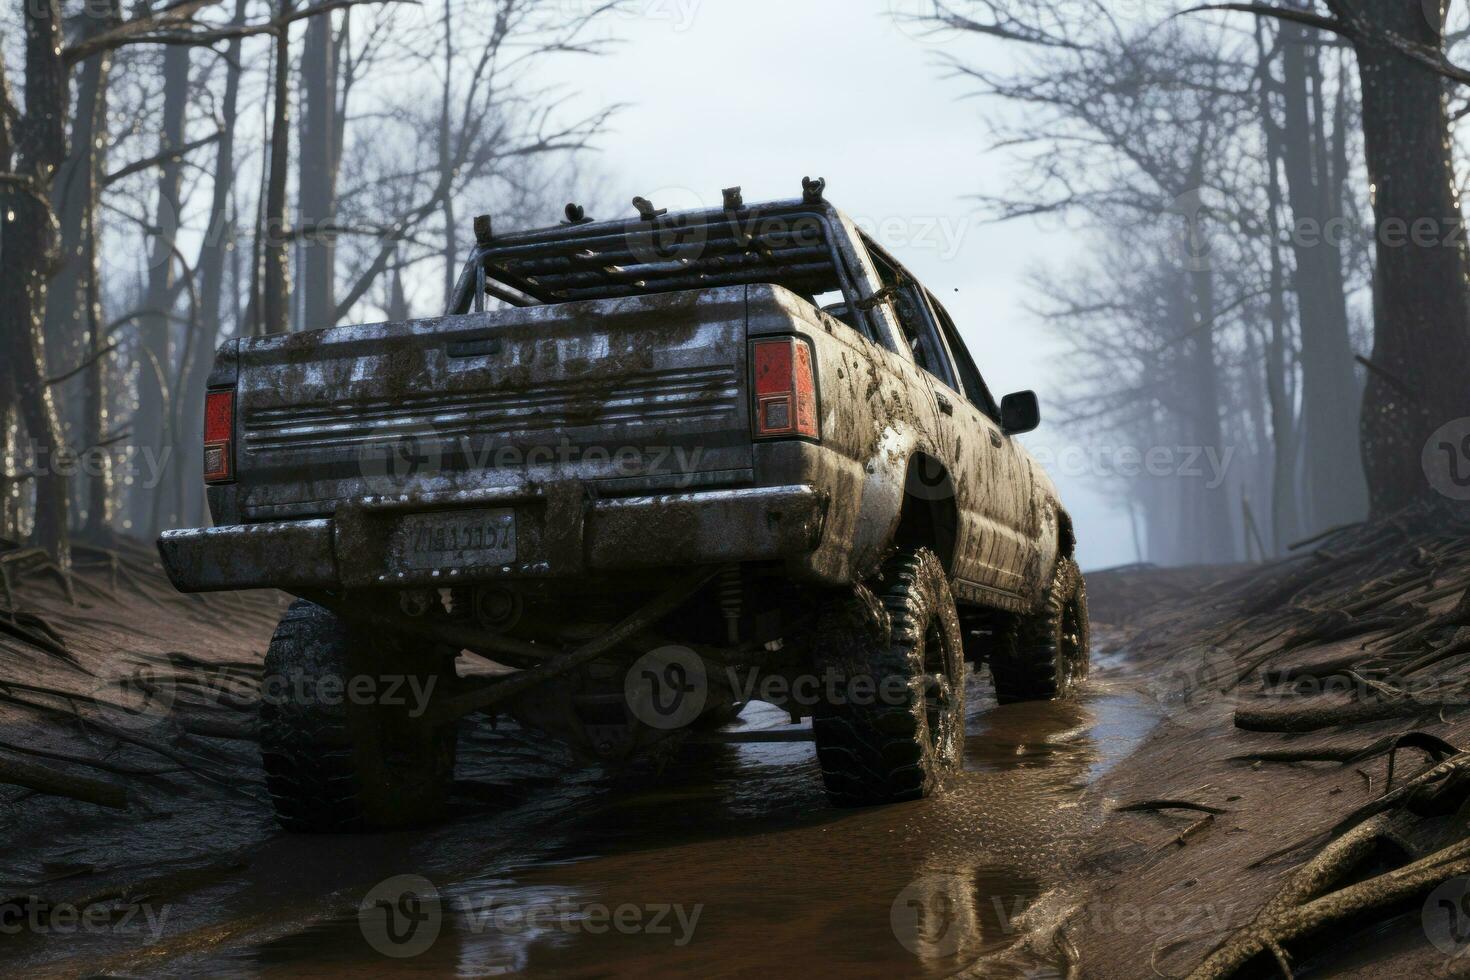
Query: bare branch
[1304, 17]
[182, 29]
[170, 155]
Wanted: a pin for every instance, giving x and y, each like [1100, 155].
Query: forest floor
[1302, 804]
[1291, 792]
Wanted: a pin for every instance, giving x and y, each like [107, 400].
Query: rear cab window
[921, 332]
[972, 383]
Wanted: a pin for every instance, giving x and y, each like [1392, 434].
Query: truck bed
[624, 395]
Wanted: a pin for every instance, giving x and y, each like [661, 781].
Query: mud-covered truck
[642, 472]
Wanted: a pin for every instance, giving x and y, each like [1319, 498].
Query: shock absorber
[732, 601]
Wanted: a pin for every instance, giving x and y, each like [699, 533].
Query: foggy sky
[762, 92]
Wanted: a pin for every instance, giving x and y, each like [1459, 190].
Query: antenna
[646, 210]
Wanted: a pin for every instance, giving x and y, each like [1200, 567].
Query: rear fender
[876, 416]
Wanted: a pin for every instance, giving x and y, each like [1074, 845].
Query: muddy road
[725, 860]
[728, 863]
[1185, 813]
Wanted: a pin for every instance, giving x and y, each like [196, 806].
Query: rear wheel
[1045, 655]
[897, 723]
[344, 735]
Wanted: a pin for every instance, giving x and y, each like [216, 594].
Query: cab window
[920, 332]
[972, 383]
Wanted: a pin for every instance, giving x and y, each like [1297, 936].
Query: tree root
[1334, 712]
[1458, 646]
[102, 765]
[34, 631]
[1434, 746]
[1155, 806]
[122, 735]
[47, 780]
[1307, 902]
[34, 560]
[1336, 667]
[229, 729]
[1184, 835]
[1337, 625]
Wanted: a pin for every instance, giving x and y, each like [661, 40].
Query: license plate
[472, 539]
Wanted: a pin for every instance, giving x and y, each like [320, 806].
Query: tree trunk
[451, 272]
[1284, 515]
[151, 430]
[1213, 503]
[1421, 338]
[1336, 493]
[219, 245]
[276, 285]
[27, 255]
[318, 160]
[9, 457]
[79, 287]
[397, 298]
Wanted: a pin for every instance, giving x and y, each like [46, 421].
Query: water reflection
[724, 860]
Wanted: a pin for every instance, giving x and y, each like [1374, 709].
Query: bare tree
[1421, 337]
[319, 155]
[1124, 125]
[1310, 147]
[32, 149]
[490, 122]
[275, 269]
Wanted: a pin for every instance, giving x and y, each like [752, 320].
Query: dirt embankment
[127, 765]
[1302, 806]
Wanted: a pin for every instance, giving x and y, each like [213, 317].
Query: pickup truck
[642, 472]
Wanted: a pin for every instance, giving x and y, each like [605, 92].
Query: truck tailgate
[642, 393]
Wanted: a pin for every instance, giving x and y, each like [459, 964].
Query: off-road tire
[897, 747]
[1044, 656]
[332, 764]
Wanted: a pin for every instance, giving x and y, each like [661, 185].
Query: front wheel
[1044, 656]
[894, 724]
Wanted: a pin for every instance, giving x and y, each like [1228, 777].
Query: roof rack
[786, 243]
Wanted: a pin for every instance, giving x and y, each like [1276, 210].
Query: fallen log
[50, 782]
[1328, 712]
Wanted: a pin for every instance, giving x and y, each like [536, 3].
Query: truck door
[992, 463]
[983, 473]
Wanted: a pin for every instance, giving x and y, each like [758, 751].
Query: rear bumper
[559, 534]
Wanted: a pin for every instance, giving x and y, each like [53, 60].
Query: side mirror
[1019, 412]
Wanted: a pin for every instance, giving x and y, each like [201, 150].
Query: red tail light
[219, 431]
[785, 389]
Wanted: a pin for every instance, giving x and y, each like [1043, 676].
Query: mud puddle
[727, 863]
